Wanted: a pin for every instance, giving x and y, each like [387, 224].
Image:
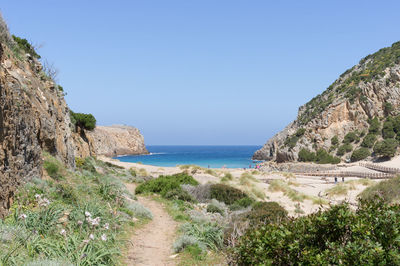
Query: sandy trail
[152, 244]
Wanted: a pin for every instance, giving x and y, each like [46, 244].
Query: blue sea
[204, 156]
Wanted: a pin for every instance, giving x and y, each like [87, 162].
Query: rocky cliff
[110, 141]
[33, 117]
[369, 89]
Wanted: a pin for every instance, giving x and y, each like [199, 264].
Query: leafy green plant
[332, 237]
[369, 141]
[25, 46]
[344, 149]
[84, 121]
[386, 148]
[165, 184]
[360, 154]
[226, 194]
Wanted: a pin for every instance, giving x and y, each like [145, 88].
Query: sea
[204, 156]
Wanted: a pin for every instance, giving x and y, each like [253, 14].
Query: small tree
[386, 148]
[360, 154]
[374, 126]
[84, 121]
[335, 140]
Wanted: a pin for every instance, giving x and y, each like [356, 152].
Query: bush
[266, 212]
[374, 126]
[25, 46]
[338, 236]
[351, 137]
[210, 235]
[360, 154]
[164, 184]
[388, 190]
[200, 193]
[344, 149]
[241, 203]
[84, 121]
[323, 157]
[386, 148]
[138, 209]
[179, 194]
[369, 141]
[334, 140]
[306, 155]
[216, 207]
[226, 194]
[388, 130]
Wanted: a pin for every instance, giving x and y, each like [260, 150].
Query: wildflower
[44, 202]
[103, 237]
[85, 241]
[23, 216]
[93, 222]
[106, 226]
[91, 236]
[88, 214]
[63, 232]
[38, 196]
[79, 222]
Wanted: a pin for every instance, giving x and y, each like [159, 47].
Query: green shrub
[386, 148]
[25, 46]
[351, 137]
[300, 132]
[337, 236]
[266, 212]
[388, 190]
[210, 235]
[344, 149]
[179, 194]
[323, 157]
[164, 184]
[214, 209]
[241, 203]
[360, 154]
[225, 193]
[306, 155]
[369, 141]
[334, 140]
[374, 126]
[388, 130]
[84, 121]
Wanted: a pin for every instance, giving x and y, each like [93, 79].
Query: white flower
[85, 241]
[79, 222]
[93, 222]
[63, 232]
[106, 226]
[23, 216]
[38, 197]
[91, 236]
[88, 214]
[103, 237]
[44, 202]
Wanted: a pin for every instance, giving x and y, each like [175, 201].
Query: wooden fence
[350, 174]
[381, 168]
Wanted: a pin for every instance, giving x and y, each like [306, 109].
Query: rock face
[33, 117]
[361, 93]
[110, 141]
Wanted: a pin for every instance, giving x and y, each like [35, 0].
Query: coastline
[299, 195]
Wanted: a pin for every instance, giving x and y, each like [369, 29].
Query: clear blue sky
[201, 72]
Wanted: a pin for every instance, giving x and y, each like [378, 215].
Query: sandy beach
[299, 195]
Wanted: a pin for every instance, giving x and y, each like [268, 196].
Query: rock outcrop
[369, 89]
[110, 141]
[33, 117]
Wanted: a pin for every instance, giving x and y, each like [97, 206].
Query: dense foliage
[351, 137]
[70, 218]
[265, 213]
[291, 141]
[226, 194]
[168, 186]
[386, 148]
[344, 149]
[25, 46]
[84, 121]
[321, 157]
[388, 190]
[360, 154]
[369, 141]
[339, 235]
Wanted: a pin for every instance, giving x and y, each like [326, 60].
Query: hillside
[354, 118]
[34, 117]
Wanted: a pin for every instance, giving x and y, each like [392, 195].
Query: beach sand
[307, 192]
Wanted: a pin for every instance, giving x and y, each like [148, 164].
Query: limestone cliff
[369, 89]
[33, 117]
[109, 141]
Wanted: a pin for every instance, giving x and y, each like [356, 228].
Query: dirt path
[152, 244]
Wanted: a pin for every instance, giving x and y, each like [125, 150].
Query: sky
[209, 72]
